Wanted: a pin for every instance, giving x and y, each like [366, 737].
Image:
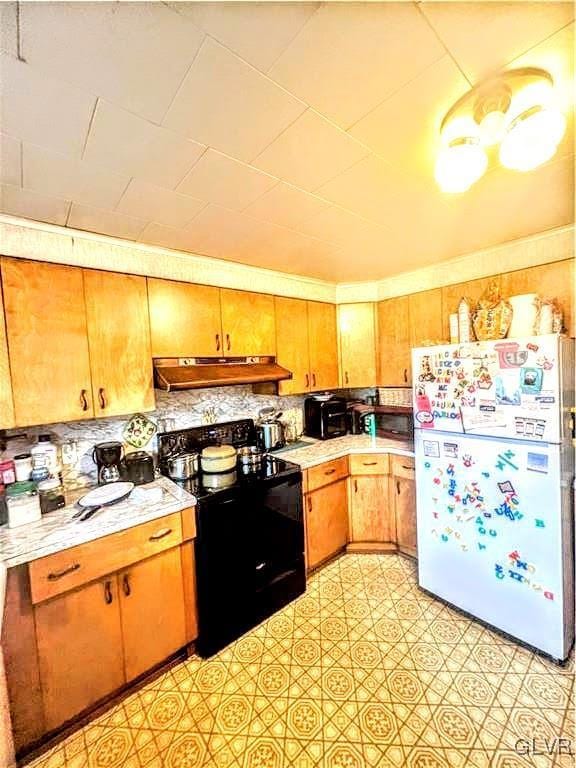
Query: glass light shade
[462, 127]
[532, 138]
[459, 165]
[492, 128]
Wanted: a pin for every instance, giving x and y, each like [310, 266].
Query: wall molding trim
[24, 238]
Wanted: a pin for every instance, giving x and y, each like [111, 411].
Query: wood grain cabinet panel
[6, 401]
[79, 649]
[292, 343]
[549, 281]
[357, 335]
[425, 309]
[326, 515]
[394, 343]
[185, 319]
[471, 289]
[119, 340]
[371, 519]
[152, 611]
[248, 323]
[369, 463]
[404, 491]
[327, 472]
[323, 345]
[47, 342]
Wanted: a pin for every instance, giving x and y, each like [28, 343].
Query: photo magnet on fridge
[537, 462]
[431, 448]
[531, 380]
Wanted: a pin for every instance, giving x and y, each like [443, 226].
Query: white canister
[23, 504]
[50, 451]
[464, 321]
[23, 466]
[454, 336]
[524, 315]
[218, 458]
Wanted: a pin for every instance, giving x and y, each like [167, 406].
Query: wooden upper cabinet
[152, 611]
[357, 332]
[323, 345]
[6, 401]
[471, 289]
[119, 339]
[292, 343]
[248, 323]
[47, 342]
[79, 649]
[549, 281]
[184, 319]
[394, 343]
[425, 310]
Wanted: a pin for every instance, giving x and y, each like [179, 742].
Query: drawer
[57, 573]
[326, 473]
[369, 464]
[403, 466]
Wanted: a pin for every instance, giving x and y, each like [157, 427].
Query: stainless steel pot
[250, 458]
[183, 466]
[271, 435]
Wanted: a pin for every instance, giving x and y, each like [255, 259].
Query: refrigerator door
[494, 534]
[508, 389]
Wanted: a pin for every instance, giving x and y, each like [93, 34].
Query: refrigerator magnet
[537, 462]
[431, 448]
[530, 380]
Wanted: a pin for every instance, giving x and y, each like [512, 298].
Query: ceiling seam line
[444, 45]
[539, 43]
[181, 83]
[296, 34]
[89, 129]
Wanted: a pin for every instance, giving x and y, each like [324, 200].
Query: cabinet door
[248, 323]
[357, 333]
[292, 343]
[6, 402]
[451, 295]
[119, 338]
[371, 519]
[404, 492]
[549, 281]
[426, 317]
[184, 319]
[47, 342]
[395, 368]
[79, 649]
[323, 345]
[326, 514]
[152, 610]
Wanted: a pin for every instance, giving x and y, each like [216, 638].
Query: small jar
[23, 466]
[23, 504]
[51, 495]
[7, 472]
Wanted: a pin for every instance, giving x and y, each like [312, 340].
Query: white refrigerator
[494, 471]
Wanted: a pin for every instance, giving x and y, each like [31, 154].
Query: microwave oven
[324, 419]
[392, 421]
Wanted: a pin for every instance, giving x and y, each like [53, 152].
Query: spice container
[23, 466]
[7, 472]
[51, 495]
[23, 504]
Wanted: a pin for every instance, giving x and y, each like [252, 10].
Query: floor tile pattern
[362, 671]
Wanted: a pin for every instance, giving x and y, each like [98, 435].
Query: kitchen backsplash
[188, 409]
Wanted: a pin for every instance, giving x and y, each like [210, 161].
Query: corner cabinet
[395, 369]
[372, 522]
[357, 343]
[403, 501]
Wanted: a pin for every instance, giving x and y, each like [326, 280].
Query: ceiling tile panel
[258, 32]
[152, 203]
[219, 179]
[286, 205]
[484, 36]
[310, 152]
[9, 28]
[105, 222]
[129, 144]
[60, 176]
[133, 54]
[351, 56]
[33, 205]
[166, 237]
[10, 160]
[229, 105]
[43, 110]
[341, 227]
[220, 232]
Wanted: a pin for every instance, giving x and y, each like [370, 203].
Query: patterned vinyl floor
[364, 670]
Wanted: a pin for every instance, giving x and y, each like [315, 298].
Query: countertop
[320, 451]
[57, 530]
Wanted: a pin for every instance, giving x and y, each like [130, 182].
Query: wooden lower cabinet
[371, 519]
[326, 515]
[403, 501]
[152, 611]
[79, 639]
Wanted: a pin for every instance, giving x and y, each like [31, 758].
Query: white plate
[106, 494]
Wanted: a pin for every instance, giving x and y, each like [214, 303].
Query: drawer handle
[102, 397]
[126, 585]
[65, 572]
[160, 535]
[108, 592]
[217, 342]
[329, 471]
[83, 400]
[409, 468]
[369, 463]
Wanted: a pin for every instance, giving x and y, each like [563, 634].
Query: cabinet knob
[406, 375]
[108, 592]
[83, 399]
[217, 342]
[126, 585]
[228, 343]
[313, 379]
[102, 397]
[307, 381]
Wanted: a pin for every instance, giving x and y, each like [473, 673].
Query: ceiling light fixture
[516, 111]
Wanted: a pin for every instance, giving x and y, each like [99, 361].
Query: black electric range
[249, 546]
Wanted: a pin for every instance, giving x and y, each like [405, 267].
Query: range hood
[176, 373]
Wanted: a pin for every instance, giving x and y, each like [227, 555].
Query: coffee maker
[108, 458]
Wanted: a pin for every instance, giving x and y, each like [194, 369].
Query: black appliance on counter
[324, 418]
[249, 546]
[139, 467]
[392, 421]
